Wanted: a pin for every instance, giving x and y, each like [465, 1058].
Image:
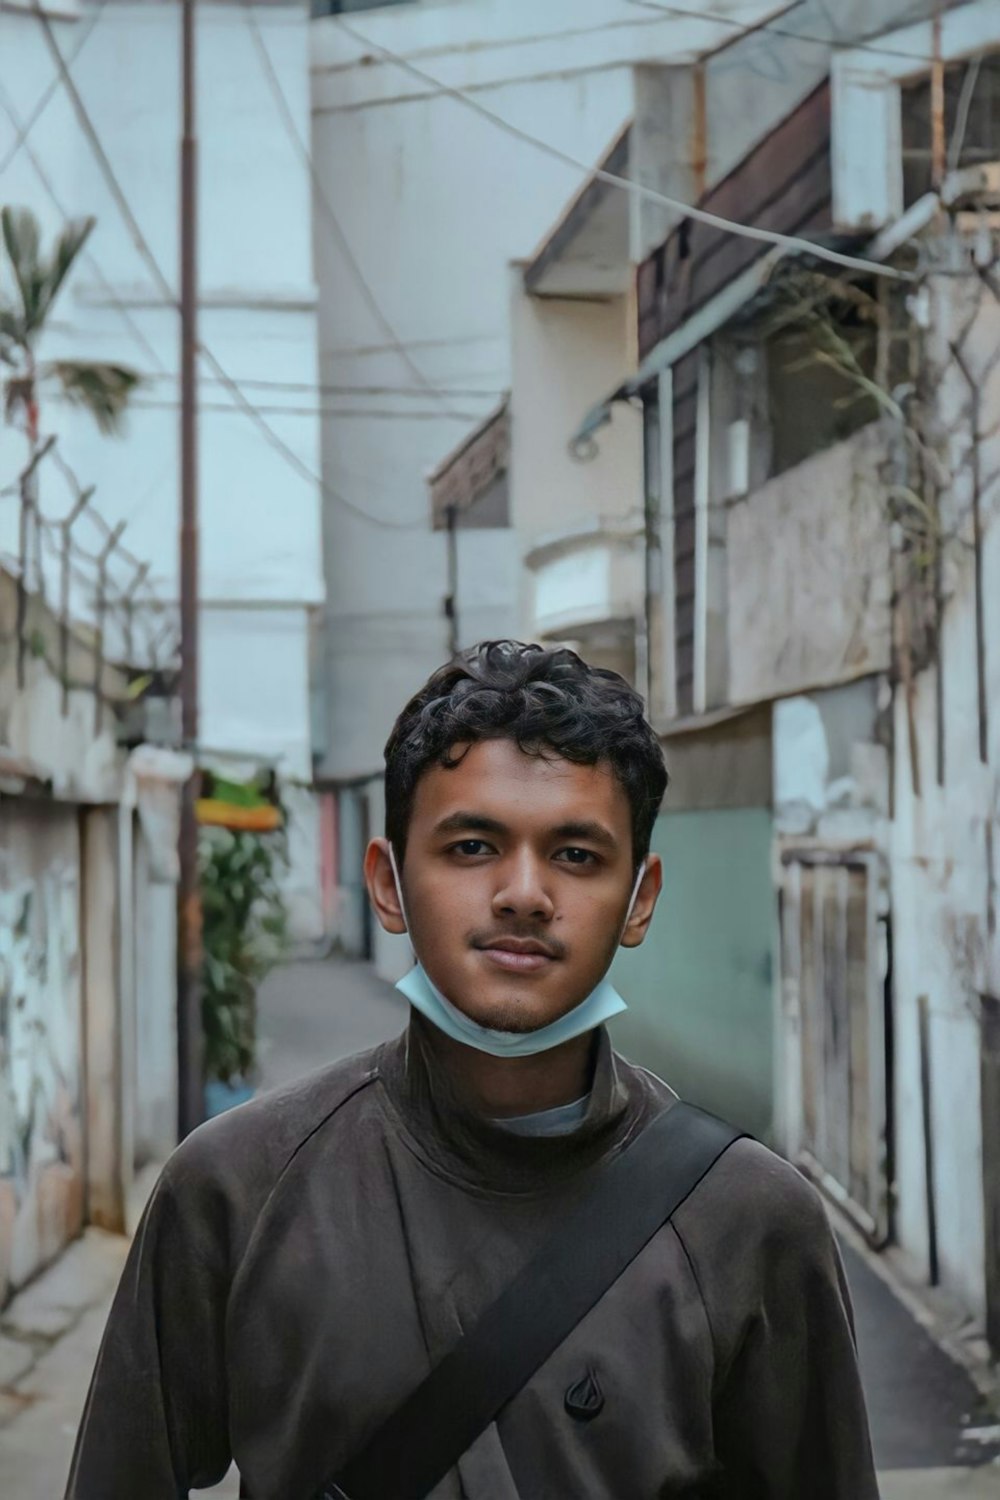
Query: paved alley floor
[49, 1337]
[934, 1439]
[318, 1010]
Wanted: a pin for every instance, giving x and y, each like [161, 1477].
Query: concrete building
[416, 337]
[88, 1092]
[261, 564]
[821, 458]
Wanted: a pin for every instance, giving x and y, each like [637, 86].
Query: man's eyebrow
[459, 822]
[593, 833]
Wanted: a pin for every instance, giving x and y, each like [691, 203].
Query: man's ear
[381, 885]
[645, 903]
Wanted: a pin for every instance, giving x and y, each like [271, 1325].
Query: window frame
[866, 126]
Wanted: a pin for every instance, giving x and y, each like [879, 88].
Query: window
[877, 98]
[971, 121]
[815, 403]
[819, 339]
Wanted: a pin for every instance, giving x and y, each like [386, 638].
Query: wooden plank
[729, 255]
[990, 1096]
[684, 535]
[806, 200]
[809, 1012]
[685, 380]
[685, 410]
[685, 583]
[684, 459]
[836, 1099]
[776, 186]
[745, 190]
[859, 988]
[774, 206]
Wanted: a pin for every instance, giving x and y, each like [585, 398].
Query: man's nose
[523, 890]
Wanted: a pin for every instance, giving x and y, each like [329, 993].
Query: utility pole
[189, 1032]
[451, 598]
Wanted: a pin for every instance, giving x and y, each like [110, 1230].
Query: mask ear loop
[632, 899]
[399, 887]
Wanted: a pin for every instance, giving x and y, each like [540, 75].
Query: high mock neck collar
[459, 1142]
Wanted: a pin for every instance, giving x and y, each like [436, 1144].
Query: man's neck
[505, 1087]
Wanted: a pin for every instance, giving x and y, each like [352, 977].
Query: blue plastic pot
[221, 1096]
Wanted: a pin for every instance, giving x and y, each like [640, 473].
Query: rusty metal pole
[451, 598]
[190, 1093]
[66, 525]
[938, 144]
[101, 610]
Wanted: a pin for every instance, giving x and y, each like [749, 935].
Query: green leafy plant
[244, 936]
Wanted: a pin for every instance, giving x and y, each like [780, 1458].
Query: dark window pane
[971, 122]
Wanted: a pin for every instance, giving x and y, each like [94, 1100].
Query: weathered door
[834, 965]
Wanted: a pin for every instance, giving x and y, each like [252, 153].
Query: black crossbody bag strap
[634, 1197]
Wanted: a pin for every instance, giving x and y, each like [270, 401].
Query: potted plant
[244, 936]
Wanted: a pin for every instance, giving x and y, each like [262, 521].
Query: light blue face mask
[600, 1005]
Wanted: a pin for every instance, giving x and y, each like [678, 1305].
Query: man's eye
[471, 847]
[577, 856]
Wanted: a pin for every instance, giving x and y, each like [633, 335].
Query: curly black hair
[547, 700]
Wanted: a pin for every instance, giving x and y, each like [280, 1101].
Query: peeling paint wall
[41, 1052]
[808, 564]
[831, 763]
[946, 847]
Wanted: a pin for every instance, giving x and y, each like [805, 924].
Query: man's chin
[517, 1017]
[510, 1020]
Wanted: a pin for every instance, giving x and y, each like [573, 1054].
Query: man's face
[517, 878]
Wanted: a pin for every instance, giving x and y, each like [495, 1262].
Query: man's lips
[518, 955]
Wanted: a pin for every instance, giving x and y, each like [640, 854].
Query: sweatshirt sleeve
[155, 1421]
[789, 1411]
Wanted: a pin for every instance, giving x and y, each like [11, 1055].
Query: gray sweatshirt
[305, 1259]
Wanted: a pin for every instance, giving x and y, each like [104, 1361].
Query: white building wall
[566, 355]
[807, 566]
[434, 202]
[154, 939]
[261, 563]
[944, 857]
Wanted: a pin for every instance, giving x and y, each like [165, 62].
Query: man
[306, 1259]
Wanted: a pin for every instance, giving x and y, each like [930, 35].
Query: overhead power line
[635, 189]
[330, 388]
[22, 131]
[273, 439]
[345, 391]
[89, 259]
[769, 28]
[282, 410]
[329, 214]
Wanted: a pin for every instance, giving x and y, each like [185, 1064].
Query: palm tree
[99, 388]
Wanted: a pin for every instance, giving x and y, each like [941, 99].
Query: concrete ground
[316, 1011]
[49, 1337]
[934, 1438]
